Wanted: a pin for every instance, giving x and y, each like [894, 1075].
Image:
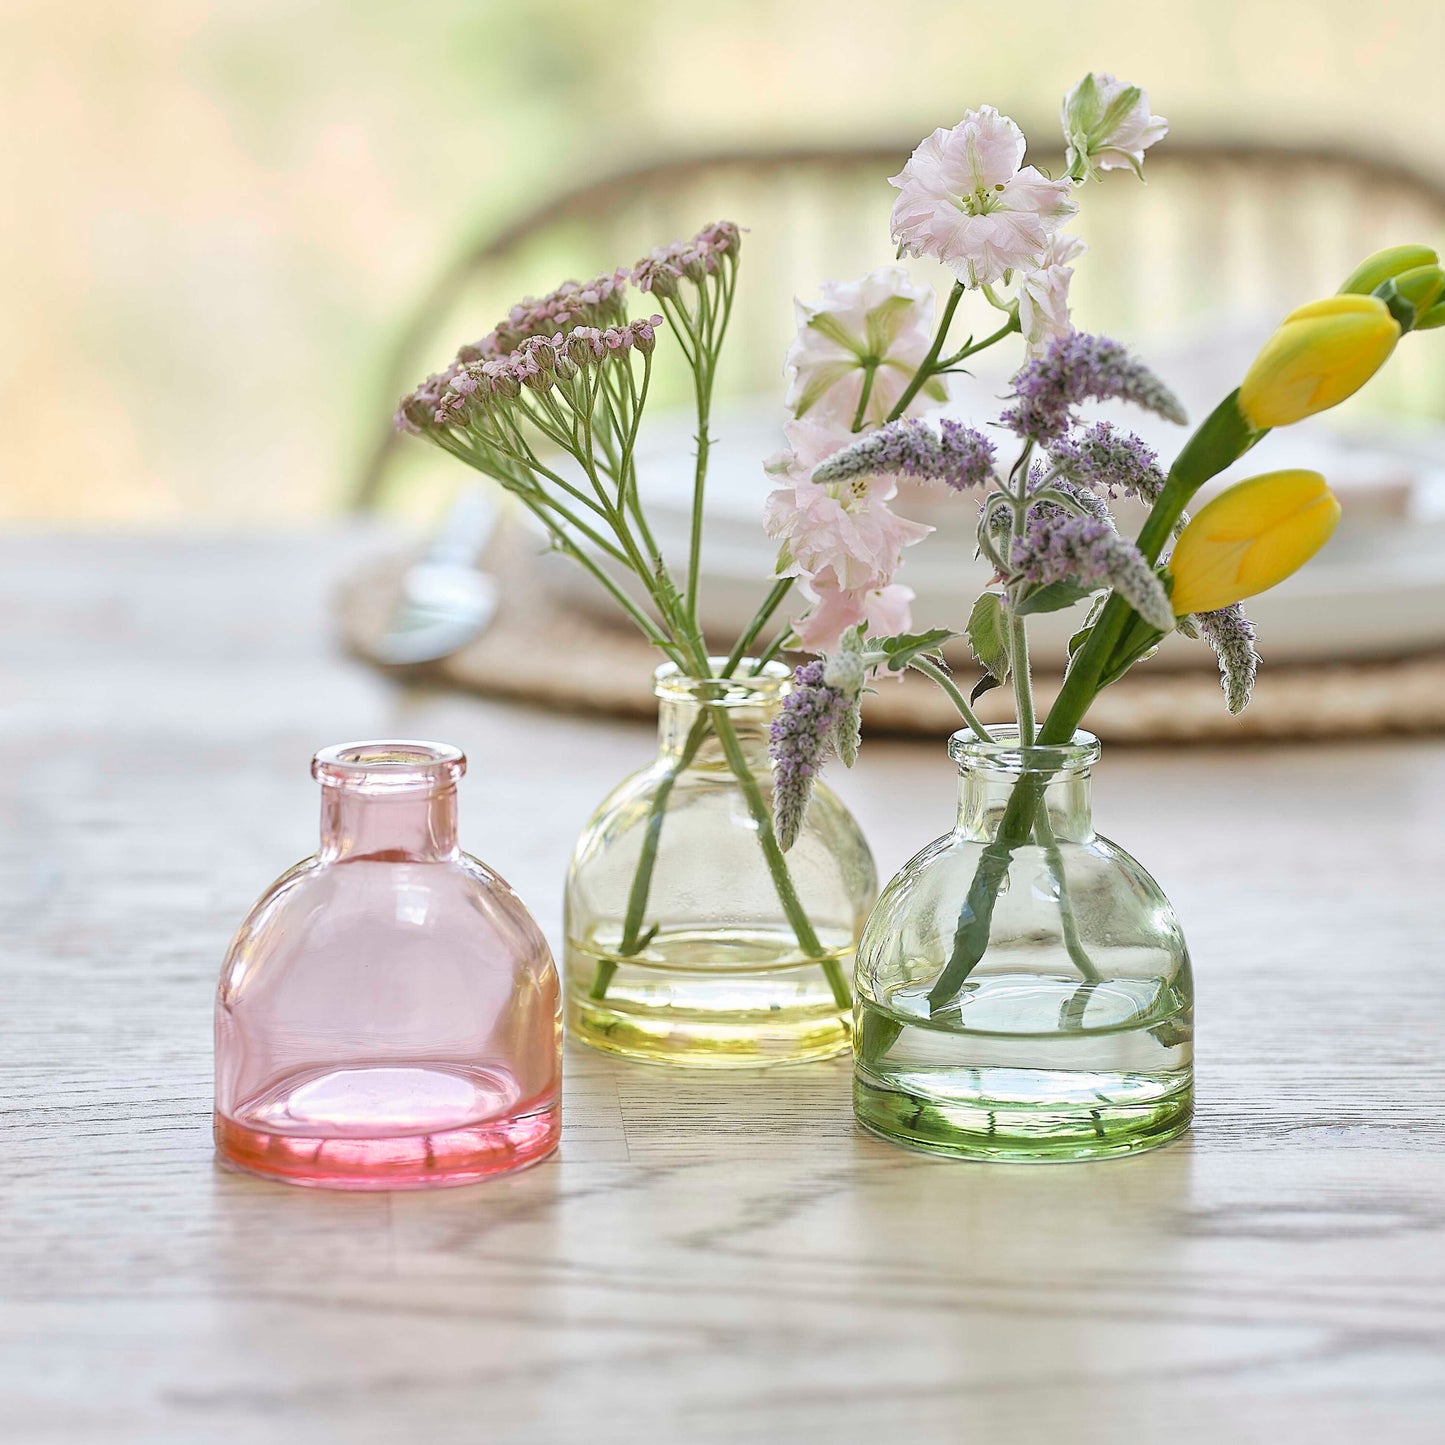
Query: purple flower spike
[1109, 461]
[1079, 368]
[801, 737]
[959, 456]
[1059, 547]
[1232, 636]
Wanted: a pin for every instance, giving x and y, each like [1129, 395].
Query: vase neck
[748, 703]
[392, 802]
[990, 773]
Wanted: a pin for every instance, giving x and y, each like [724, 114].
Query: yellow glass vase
[690, 939]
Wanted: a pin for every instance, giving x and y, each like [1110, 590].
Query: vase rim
[389, 765]
[1003, 753]
[670, 682]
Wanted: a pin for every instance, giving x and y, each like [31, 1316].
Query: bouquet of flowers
[550, 402]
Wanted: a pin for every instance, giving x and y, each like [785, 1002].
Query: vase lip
[389, 765]
[671, 683]
[1003, 753]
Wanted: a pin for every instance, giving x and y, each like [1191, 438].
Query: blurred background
[235, 229]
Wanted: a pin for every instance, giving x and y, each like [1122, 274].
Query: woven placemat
[540, 651]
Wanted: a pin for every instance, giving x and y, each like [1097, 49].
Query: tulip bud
[1421, 287]
[1385, 266]
[1250, 537]
[1320, 354]
[1429, 320]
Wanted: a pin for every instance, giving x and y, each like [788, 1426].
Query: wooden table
[710, 1259]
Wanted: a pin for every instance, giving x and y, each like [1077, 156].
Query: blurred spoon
[444, 601]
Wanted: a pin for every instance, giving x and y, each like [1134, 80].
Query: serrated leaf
[986, 683]
[988, 635]
[901, 650]
[1053, 598]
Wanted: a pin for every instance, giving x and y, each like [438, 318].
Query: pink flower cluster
[599, 302]
[450, 398]
[664, 267]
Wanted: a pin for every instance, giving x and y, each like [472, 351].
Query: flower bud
[1108, 126]
[505, 382]
[1384, 266]
[1250, 537]
[1429, 320]
[644, 335]
[1421, 286]
[1320, 354]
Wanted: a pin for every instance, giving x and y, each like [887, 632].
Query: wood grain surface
[710, 1259]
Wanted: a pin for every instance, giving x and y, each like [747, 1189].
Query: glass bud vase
[1024, 990]
[691, 939]
[388, 1014]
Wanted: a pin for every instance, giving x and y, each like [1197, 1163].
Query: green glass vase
[1024, 999]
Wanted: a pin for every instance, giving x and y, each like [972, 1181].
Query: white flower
[880, 325]
[1107, 126]
[1044, 294]
[964, 200]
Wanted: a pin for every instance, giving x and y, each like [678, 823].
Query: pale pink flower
[810, 441]
[845, 526]
[1108, 127]
[1044, 294]
[964, 199]
[835, 610]
[881, 325]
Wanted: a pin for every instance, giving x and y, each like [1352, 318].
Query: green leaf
[1053, 598]
[1082, 635]
[988, 634]
[901, 650]
[986, 683]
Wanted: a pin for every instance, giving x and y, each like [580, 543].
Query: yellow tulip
[1321, 354]
[1250, 537]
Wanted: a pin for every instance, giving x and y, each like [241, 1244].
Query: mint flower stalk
[1232, 636]
[803, 734]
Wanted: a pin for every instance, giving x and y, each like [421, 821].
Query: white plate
[1377, 589]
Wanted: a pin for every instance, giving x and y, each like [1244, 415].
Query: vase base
[419, 1126]
[737, 1042]
[1003, 1131]
[740, 998]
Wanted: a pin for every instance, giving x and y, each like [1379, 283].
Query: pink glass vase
[388, 1014]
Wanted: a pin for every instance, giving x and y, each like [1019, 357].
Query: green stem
[632, 934]
[771, 603]
[1068, 923]
[955, 696]
[772, 650]
[773, 856]
[1023, 682]
[926, 366]
[973, 348]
